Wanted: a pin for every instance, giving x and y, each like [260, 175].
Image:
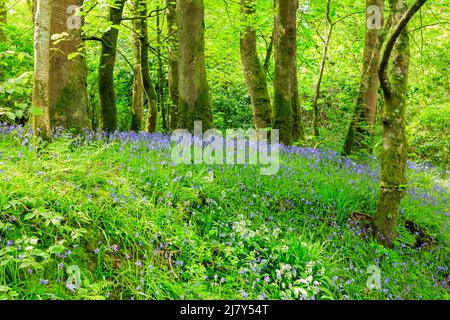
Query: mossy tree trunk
[363, 121]
[285, 49]
[3, 20]
[298, 128]
[160, 71]
[60, 86]
[138, 93]
[106, 88]
[172, 30]
[149, 87]
[254, 72]
[394, 155]
[194, 104]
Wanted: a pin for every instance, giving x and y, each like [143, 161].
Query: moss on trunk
[106, 70]
[395, 149]
[361, 127]
[285, 49]
[60, 87]
[194, 104]
[255, 75]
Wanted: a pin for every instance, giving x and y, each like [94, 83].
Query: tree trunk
[173, 60]
[394, 155]
[3, 20]
[149, 87]
[138, 93]
[161, 79]
[194, 104]
[285, 45]
[106, 88]
[255, 75]
[315, 106]
[362, 124]
[298, 129]
[269, 52]
[60, 87]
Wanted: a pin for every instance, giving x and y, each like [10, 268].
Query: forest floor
[111, 218]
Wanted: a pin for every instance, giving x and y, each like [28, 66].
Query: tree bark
[60, 87]
[363, 121]
[194, 104]
[3, 20]
[138, 93]
[269, 52]
[149, 87]
[107, 91]
[298, 128]
[285, 45]
[173, 60]
[394, 155]
[161, 80]
[255, 75]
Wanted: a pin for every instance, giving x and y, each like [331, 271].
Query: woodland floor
[139, 227]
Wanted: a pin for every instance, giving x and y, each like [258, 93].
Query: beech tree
[285, 55]
[194, 103]
[172, 30]
[254, 72]
[138, 85]
[108, 54]
[60, 88]
[3, 20]
[149, 87]
[363, 121]
[394, 155]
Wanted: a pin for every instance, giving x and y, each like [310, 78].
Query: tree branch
[382, 73]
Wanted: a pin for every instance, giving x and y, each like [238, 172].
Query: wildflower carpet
[98, 216]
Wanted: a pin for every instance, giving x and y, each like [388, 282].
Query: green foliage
[15, 101]
[429, 135]
[231, 106]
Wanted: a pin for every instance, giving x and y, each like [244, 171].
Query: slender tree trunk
[149, 87]
[3, 20]
[394, 155]
[161, 79]
[315, 106]
[285, 49]
[60, 87]
[269, 52]
[173, 61]
[41, 84]
[106, 69]
[138, 93]
[298, 129]
[362, 124]
[194, 104]
[253, 70]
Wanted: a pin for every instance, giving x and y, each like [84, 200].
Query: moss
[201, 112]
[283, 118]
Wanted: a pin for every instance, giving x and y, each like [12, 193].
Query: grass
[136, 226]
